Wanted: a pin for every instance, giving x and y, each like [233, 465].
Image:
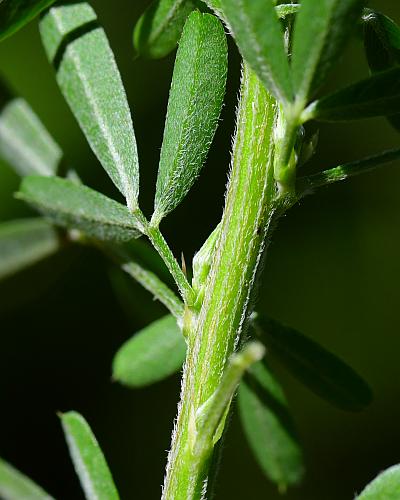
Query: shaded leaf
[88, 459]
[79, 207]
[269, 427]
[386, 486]
[382, 47]
[321, 31]
[14, 14]
[381, 41]
[378, 95]
[195, 102]
[150, 355]
[258, 33]
[89, 79]
[24, 141]
[16, 486]
[321, 371]
[158, 30]
[24, 242]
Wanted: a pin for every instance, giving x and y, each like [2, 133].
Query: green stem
[305, 185]
[154, 285]
[150, 281]
[215, 332]
[159, 243]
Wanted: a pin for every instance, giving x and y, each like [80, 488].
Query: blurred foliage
[333, 272]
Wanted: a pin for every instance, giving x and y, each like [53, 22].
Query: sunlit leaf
[378, 95]
[321, 31]
[386, 486]
[16, 486]
[268, 426]
[89, 79]
[14, 14]
[321, 371]
[150, 355]
[88, 459]
[195, 102]
[24, 141]
[258, 33]
[158, 30]
[79, 207]
[24, 242]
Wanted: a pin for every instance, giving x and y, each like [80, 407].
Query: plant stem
[215, 332]
[306, 185]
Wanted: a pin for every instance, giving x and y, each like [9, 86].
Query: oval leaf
[321, 31]
[24, 242]
[150, 355]
[384, 487]
[321, 371]
[258, 33]
[74, 41]
[24, 141]
[158, 30]
[14, 14]
[88, 459]
[378, 95]
[195, 102]
[16, 486]
[269, 428]
[78, 207]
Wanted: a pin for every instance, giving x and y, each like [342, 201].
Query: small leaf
[14, 14]
[79, 207]
[24, 141]
[24, 242]
[150, 355]
[258, 33]
[89, 79]
[378, 95]
[195, 102]
[269, 427]
[16, 486]
[321, 31]
[321, 371]
[386, 486]
[158, 30]
[89, 462]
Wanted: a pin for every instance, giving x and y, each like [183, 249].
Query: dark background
[333, 271]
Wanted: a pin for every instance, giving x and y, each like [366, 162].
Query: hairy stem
[214, 332]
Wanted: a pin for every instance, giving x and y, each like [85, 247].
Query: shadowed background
[333, 272]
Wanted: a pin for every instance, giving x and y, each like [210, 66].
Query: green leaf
[89, 462]
[321, 371]
[382, 47]
[386, 486]
[269, 427]
[150, 355]
[79, 207]
[24, 141]
[24, 242]
[89, 79]
[381, 41]
[158, 30]
[321, 31]
[378, 95]
[16, 486]
[258, 33]
[14, 14]
[195, 102]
